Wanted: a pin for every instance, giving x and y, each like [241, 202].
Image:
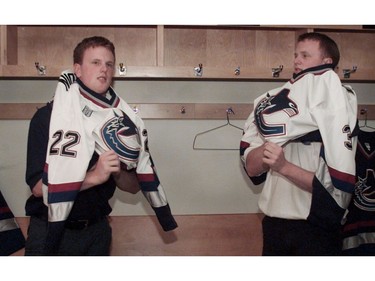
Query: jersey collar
[313, 70]
[98, 99]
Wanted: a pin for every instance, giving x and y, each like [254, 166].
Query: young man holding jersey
[70, 179]
[299, 141]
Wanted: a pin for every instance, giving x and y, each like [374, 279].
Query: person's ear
[327, 61]
[77, 69]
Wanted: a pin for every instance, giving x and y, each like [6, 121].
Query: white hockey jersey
[81, 122]
[314, 101]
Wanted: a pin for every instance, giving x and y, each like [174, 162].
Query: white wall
[196, 181]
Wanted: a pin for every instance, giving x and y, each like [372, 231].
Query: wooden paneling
[18, 111]
[366, 112]
[8, 41]
[52, 46]
[357, 50]
[215, 47]
[239, 111]
[165, 111]
[136, 46]
[159, 51]
[220, 111]
[185, 47]
[196, 235]
[24, 111]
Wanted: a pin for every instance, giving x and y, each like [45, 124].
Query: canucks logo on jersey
[364, 195]
[270, 105]
[121, 135]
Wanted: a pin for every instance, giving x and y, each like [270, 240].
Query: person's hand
[273, 156]
[108, 163]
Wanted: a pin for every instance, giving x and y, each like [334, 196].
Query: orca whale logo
[270, 105]
[364, 194]
[121, 135]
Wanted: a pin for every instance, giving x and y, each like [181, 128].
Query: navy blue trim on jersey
[324, 211]
[64, 196]
[11, 236]
[164, 217]
[67, 79]
[314, 70]
[99, 99]
[259, 179]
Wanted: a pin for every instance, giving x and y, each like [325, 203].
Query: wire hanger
[364, 112]
[228, 111]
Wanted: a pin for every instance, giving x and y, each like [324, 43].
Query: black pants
[283, 237]
[94, 240]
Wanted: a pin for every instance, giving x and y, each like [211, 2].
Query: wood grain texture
[197, 235]
[159, 51]
[205, 111]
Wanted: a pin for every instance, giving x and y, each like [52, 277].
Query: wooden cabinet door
[218, 52]
[222, 50]
[357, 51]
[52, 47]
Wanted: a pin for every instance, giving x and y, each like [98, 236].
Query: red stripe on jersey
[4, 210]
[64, 187]
[344, 177]
[116, 102]
[97, 102]
[146, 177]
[244, 144]
[359, 225]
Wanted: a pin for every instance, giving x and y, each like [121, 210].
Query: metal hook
[121, 69]
[276, 71]
[41, 68]
[363, 111]
[183, 110]
[198, 70]
[237, 71]
[135, 109]
[347, 72]
[230, 111]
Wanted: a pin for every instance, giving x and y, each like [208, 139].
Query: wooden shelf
[187, 111]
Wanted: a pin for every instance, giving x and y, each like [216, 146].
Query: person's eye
[110, 65]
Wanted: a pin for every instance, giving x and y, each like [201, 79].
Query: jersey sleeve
[149, 181]
[37, 142]
[250, 140]
[11, 237]
[335, 112]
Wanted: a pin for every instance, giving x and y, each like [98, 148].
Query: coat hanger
[365, 126]
[228, 111]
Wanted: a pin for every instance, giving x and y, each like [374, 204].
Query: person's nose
[104, 68]
[297, 60]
